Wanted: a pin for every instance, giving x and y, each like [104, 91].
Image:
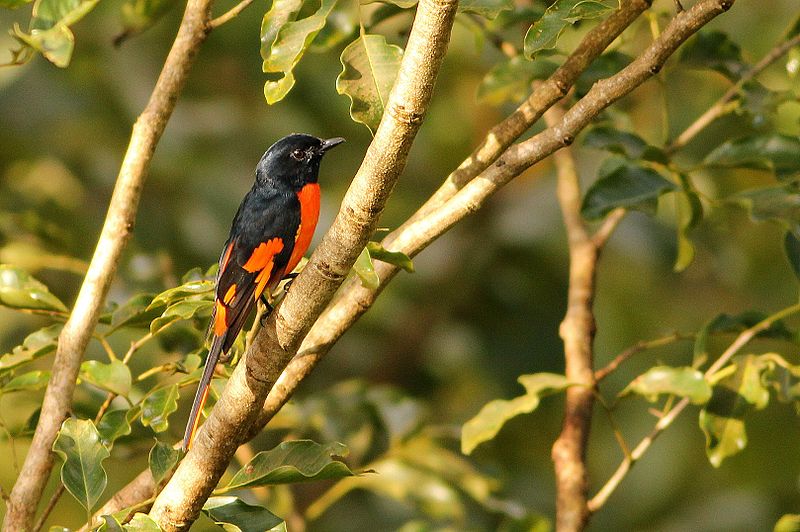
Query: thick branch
[577, 331]
[115, 234]
[179, 503]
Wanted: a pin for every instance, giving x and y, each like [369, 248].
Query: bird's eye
[298, 155]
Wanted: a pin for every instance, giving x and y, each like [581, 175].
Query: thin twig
[721, 107]
[666, 420]
[607, 228]
[51, 504]
[637, 348]
[230, 14]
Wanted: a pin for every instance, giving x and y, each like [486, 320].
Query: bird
[269, 235]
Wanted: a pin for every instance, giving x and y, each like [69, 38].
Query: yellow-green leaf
[78, 444]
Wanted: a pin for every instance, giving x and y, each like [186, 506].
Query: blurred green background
[486, 300]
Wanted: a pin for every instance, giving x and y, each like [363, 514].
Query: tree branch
[179, 503]
[114, 236]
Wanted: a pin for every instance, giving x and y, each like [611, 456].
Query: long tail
[202, 390]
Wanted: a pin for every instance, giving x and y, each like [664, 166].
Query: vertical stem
[577, 331]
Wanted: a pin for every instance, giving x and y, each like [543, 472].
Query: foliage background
[485, 302]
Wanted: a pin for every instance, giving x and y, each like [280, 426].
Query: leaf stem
[230, 14]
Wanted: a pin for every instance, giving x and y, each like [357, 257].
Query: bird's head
[293, 161]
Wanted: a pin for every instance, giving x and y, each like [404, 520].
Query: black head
[293, 161]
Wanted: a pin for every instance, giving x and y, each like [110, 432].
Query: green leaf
[182, 310]
[35, 345]
[369, 68]
[791, 245]
[683, 381]
[342, 26]
[19, 290]
[589, 9]
[722, 420]
[113, 425]
[630, 186]
[788, 523]
[689, 211]
[630, 145]
[397, 258]
[488, 422]
[771, 151]
[142, 523]
[290, 462]
[78, 444]
[138, 311]
[544, 33]
[157, 406]
[162, 459]
[114, 377]
[139, 15]
[780, 203]
[716, 51]
[235, 515]
[782, 376]
[510, 80]
[179, 293]
[603, 67]
[33, 380]
[284, 40]
[485, 8]
[49, 30]
[366, 271]
[110, 524]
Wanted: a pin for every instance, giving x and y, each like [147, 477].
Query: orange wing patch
[261, 261]
[309, 197]
[220, 319]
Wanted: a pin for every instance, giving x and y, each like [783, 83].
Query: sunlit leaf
[589, 9]
[162, 458]
[366, 271]
[13, 4]
[341, 27]
[173, 295]
[772, 151]
[485, 8]
[716, 51]
[788, 523]
[142, 523]
[510, 80]
[182, 310]
[722, 420]
[35, 345]
[397, 258]
[683, 381]
[235, 515]
[113, 425]
[114, 377]
[292, 461]
[33, 380]
[78, 444]
[630, 145]
[20, 290]
[157, 406]
[630, 186]
[284, 39]
[369, 68]
[109, 524]
[488, 422]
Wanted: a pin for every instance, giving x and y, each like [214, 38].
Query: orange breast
[309, 197]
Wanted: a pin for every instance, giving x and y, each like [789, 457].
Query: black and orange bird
[270, 234]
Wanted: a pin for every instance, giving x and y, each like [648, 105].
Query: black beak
[330, 143]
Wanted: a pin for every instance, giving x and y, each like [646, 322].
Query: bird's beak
[330, 143]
